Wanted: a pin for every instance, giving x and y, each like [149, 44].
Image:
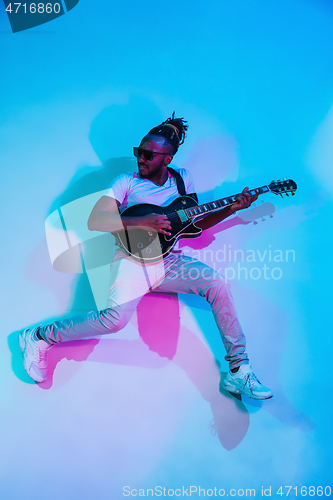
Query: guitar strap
[179, 181]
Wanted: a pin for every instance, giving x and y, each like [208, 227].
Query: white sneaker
[244, 381]
[34, 354]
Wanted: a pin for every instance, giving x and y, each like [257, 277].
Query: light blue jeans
[131, 280]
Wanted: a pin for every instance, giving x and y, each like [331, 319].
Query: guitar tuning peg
[284, 179]
[255, 222]
[293, 193]
[279, 180]
[273, 182]
[263, 219]
[287, 194]
[271, 216]
[281, 195]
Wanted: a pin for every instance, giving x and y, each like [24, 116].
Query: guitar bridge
[182, 215]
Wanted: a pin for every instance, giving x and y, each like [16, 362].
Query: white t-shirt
[129, 189]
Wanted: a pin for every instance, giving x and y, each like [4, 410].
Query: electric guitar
[150, 246]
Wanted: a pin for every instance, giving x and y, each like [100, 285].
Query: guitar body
[151, 246]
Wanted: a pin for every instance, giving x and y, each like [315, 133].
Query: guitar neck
[213, 206]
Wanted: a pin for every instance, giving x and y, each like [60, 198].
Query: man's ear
[168, 159]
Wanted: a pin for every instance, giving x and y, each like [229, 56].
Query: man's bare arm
[105, 217]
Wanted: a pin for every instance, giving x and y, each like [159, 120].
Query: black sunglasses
[148, 155]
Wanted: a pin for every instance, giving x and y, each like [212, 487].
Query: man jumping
[153, 183]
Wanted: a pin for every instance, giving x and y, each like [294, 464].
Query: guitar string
[173, 217]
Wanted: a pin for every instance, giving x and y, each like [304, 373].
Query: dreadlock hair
[173, 130]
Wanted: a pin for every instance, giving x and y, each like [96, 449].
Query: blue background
[254, 80]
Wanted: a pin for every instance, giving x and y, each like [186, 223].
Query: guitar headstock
[283, 187]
